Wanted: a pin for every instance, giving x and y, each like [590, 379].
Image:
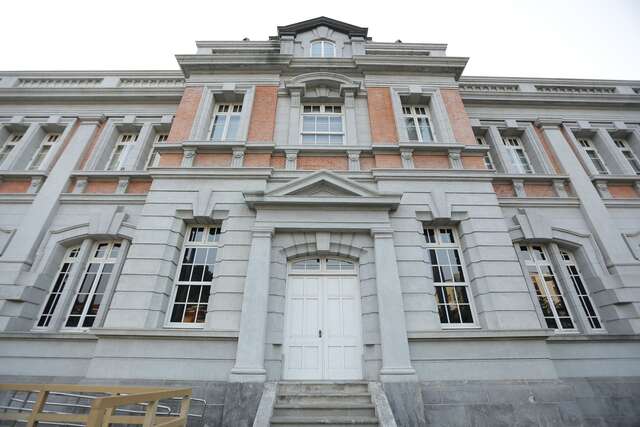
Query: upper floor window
[120, 152]
[322, 124]
[161, 137]
[323, 49]
[417, 122]
[93, 285]
[550, 297]
[452, 289]
[517, 155]
[628, 154]
[195, 273]
[9, 145]
[594, 156]
[581, 291]
[488, 160]
[226, 122]
[43, 150]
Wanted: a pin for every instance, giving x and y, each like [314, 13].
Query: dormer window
[323, 49]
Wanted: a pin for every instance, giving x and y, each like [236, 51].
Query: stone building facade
[320, 206]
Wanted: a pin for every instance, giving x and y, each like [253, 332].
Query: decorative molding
[58, 82]
[150, 82]
[466, 87]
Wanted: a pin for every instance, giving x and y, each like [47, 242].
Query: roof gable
[323, 184]
[310, 24]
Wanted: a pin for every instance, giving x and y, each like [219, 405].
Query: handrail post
[184, 409]
[96, 415]
[38, 406]
[150, 414]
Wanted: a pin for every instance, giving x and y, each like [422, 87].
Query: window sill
[478, 333]
[176, 332]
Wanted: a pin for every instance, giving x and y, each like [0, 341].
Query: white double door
[323, 332]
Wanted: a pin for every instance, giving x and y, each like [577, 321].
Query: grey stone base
[227, 404]
[406, 403]
[567, 402]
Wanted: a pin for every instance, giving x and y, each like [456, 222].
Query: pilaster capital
[548, 122]
[262, 232]
[382, 233]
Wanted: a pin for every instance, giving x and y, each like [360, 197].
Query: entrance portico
[320, 216]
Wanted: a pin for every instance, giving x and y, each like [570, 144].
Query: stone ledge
[166, 333]
[474, 334]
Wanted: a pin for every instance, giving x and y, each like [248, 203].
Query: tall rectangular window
[195, 273]
[322, 124]
[628, 154]
[552, 302]
[581, 291]
[517, 155]
[43, 150]
[9, 145]
[594, 156]
[226, 122]
[120, 152]
[488, 160]
[452, 289]
[417, 122]
[61, 280]
[90, 292]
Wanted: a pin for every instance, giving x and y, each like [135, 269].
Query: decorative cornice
[342, 27]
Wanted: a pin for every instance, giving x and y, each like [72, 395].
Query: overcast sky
[532, 38]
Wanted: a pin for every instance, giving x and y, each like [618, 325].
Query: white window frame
[514, 146]
[322, 110]
[568, 260]
[628, 154]
[323, 48]
[594, 156]
[61, 281]
[415, 113]
[538, 265]
[345, 266]
[229, 110]
[154, 158]
[13, 139]
[438, 244]
[122, 148]
[204, 243]
[101, 261]
[43, 151]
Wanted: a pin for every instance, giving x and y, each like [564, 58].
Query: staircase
[310, 404]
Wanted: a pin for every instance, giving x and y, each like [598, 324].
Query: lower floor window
[452, 293]
[550, 298]
[581, 291]
[90, 293]
[195, 273]
[59, 285]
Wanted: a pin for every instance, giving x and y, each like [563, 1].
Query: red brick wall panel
[381, 117]
[212, 160]
[504, 189]
[458, 116]
[322, 162]
[431, 161]
[186, 114]
[263, 114]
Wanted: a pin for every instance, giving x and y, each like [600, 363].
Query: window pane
[308, 123]
[329, 50]
[218, 127]
[232, 131]
[316, 49]
[412, 133]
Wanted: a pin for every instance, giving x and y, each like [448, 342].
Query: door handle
[319, 333]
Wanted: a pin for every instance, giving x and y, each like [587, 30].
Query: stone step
[322, 388]
[345, 409]
[324, 421]
[327, 399]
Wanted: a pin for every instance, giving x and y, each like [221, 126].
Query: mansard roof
[309, 24]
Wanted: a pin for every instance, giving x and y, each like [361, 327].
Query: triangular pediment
[323, 184]
[310, 24]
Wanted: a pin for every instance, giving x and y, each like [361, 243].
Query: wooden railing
[103, 408]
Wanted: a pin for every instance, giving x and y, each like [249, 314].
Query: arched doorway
[323, 323]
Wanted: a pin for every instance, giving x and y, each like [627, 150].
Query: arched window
[323, 49]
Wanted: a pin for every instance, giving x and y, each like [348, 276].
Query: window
[9, 145]
[193, 285]
[226, 122]
[90, 293]
[623, 146]
[121, 150]
[452, 291]
[325, 264]
[322, 124]
[581, 291]
[43, 150]
[552, 303]
[154, 157]
[488, 160]
[593, 155]
[416, 120]
[517, 155]
[62, 277]
[323, 49]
